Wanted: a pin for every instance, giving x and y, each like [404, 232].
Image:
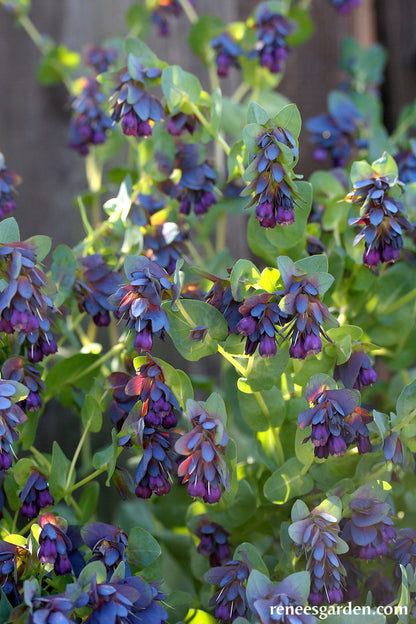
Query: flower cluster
[274, 151]
[261, 316]
[204, 469]
[132, 105]
[89, 123]
[162, 13]
[227, 53]
[357, 372]
[302, 303]
[394, 449]
[181, 122]
[370, 529]
[270, 603]
[93, 287]
[221, 297]
[155, 466]
[272, 29]
[107, 543]
[35, 495]
[18, 369]
[213, 542]
[332, 431]
[121, 403]
[406, 162]
[159, 405]
[8, 181]
[317, 534]
[345, 6]
[8, 573]
[139, 301]
[404, 549]
[11, 416]
[165, 244]
[230, 600]
[195, 187]
[99, 59]
[24, 305]
[54, 544]
[382, 216]
[335, 134]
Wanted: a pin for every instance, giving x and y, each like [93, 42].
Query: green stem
[86, 480]
[14, 525]
[221, 233]
[26, 23]
[84, 218]
[204, 122]
[402, 301]
[189, 11]
[77, 452]
[40, 457]
[240, 92]
[275, 431]
[239, 367]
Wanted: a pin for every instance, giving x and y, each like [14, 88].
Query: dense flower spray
[95, 283]
[8, 180]
[271, 31]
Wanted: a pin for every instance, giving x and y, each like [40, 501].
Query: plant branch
[189, 11]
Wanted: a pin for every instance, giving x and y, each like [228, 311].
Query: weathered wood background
[34, 119]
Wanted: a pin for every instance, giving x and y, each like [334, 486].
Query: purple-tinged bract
[164, 244]
[96, 282]
[99, 59]
[272, 29]
[54, 545]
[163, 12]
[35, 495]
[204, 470]
[221, 297]
[156, 466]
[344, 6]
[195, 189]
[136, 109]
[108, 544]
[227, 53]
[89, 123]
[357, 372]
[394, 449]
[11, 416]
[8, 180]
[230, 600]
[139, 301]
[214, 542]
[18, 369]
[261, 317]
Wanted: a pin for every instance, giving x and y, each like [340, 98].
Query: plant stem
[40, 457]
[402, 301]
[240, 92]
[86, 480]
[221, 233]
[204, 122]
[26, 23]
[239, 367]
[77, 452]
[189, 11]
[275, 431]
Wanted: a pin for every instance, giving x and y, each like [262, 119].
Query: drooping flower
[89, 123]
[271, 603]
[159, 406]
[383, 217]
[96, 282]
[54, 544]
[198, 333]
[317, 534]
[302, 303]
[227, 53]
[180, 122]
[394, 449]
[132, 105]
[204, 469]
[404, 550]
[163, 12]
[196, 185]
[221, 297]
[358, 420]
[107, 543]
[381, 588]
[406, 162]
[336, 133]
[164, 244]
[357, 372]
[25, 307]
[8, 571]
[272, 29]
[156, 466]
[8, 180]
[35, 495]
[345, 6]
[230, 600]
[18, 369]
[139, 301]
[214, 542]
[121, 403]
[11, 416]
[331, 432]
[260, 322]
[274, 152]
[99, 59]
[370, 529]
[51, 609]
